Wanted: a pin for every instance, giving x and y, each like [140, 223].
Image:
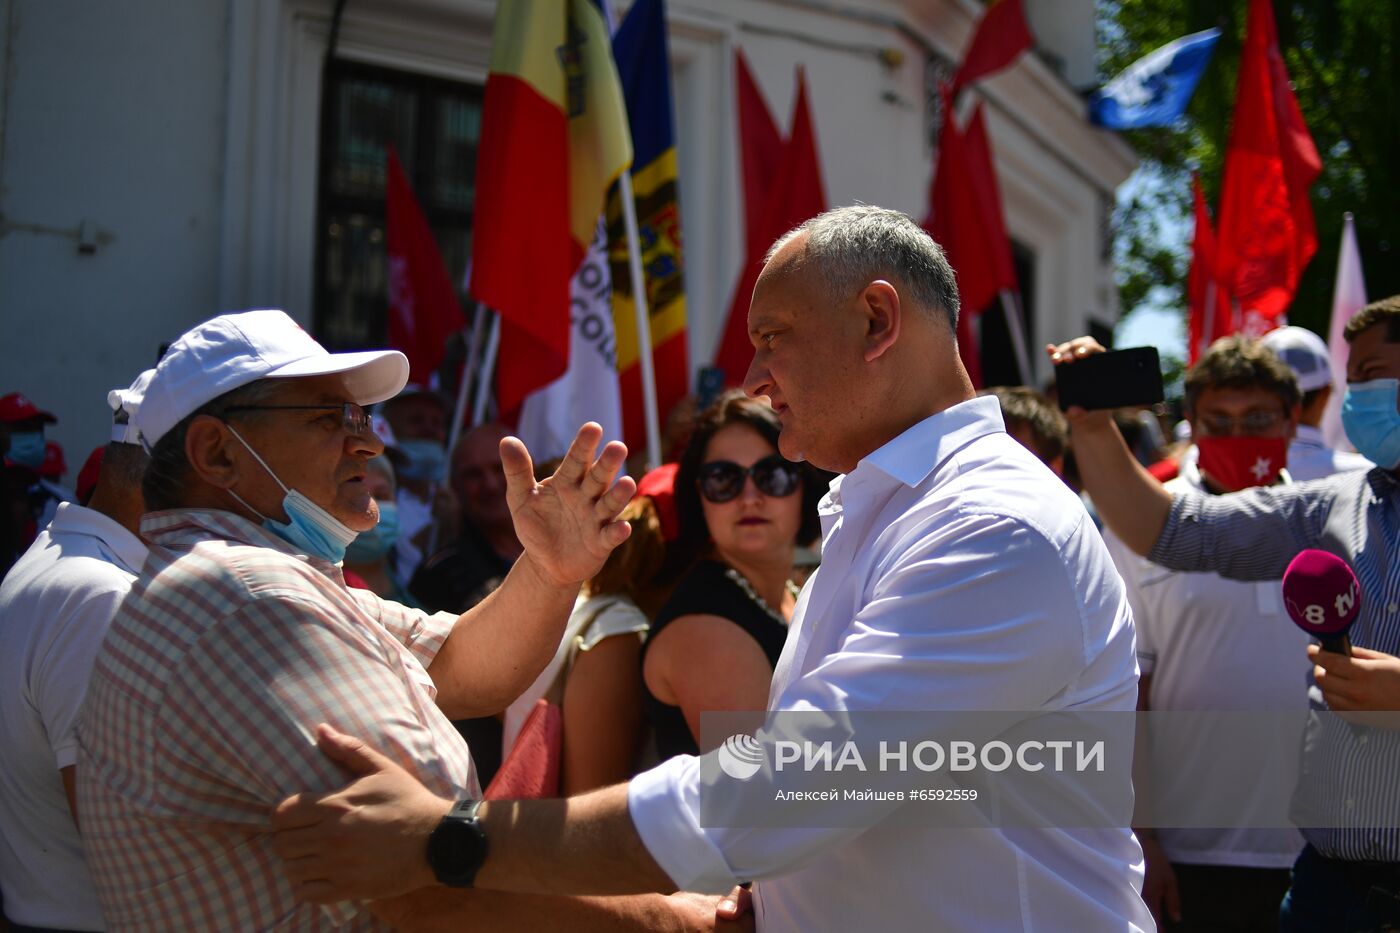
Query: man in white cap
[241, 636]
[1309, 457]
[55, 606]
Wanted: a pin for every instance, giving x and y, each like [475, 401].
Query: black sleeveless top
[705, 590]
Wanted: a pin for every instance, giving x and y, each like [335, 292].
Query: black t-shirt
[460, 575]
[705, 590]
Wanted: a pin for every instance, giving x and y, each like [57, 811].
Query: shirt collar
[182, 529]
[1309, 436]
[74, 519]
[913, 455]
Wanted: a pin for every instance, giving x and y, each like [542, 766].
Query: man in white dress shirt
[55, 606]
[958, 573]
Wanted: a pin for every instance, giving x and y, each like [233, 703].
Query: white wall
[187, 132]
[114, 115]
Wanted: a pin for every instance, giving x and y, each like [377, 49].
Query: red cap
[660, 487]
[54, 466]
[87, 476]
[15, 407]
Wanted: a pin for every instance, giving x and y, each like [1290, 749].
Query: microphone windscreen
[1321, 593]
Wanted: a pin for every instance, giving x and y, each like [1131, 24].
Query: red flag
[760, 152]
[1209, 301]
[984, 181]
[796, 194]
[423, 306]
[965, 219]
[1267, 234]
[1001, 36]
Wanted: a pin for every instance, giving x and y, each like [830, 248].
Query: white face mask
[311, 528]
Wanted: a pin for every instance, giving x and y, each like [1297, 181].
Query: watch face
[456, 850]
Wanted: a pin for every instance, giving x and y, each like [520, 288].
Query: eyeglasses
[723, 480]
[353, 418]
[1252, 424]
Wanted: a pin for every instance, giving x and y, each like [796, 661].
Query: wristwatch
[457, 847]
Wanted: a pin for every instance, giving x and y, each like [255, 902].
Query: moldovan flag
[795, 194]
[423, 306]
[553, 138]
[1001, 36]
[1266, 226]
[643, 63]
[1211, 316]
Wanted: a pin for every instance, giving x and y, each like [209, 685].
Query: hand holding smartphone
[1111, 379]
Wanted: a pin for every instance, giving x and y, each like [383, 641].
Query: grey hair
[854, 245]
[163, 483]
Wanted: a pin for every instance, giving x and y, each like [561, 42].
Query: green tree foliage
[1342, 57]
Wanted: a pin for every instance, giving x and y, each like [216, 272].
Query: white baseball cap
[233, 350]
[1305, 354]
[124, 404]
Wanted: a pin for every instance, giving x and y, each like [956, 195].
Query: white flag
[1348, 297]
[587, 391]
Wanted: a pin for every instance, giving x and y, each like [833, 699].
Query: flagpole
[639, 305]
[1017, 330]
[459, 408]
[487, 372]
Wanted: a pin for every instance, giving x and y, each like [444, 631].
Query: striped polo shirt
[1347, 801]
[201, 716]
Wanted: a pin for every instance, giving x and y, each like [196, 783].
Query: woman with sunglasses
[743, 509]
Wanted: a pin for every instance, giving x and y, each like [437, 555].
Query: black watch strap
[457, 847]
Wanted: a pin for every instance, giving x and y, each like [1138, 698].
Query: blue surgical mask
[372, 545]
[310, 528]
[427, 461]
[1372, 421]
[27, 449]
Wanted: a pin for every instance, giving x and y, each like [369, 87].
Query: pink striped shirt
[201, 716]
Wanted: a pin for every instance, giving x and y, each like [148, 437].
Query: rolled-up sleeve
[1250, 535]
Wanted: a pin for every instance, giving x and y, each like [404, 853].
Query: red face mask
[1240, 462]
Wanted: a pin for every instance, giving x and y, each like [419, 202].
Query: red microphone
[1323, 597]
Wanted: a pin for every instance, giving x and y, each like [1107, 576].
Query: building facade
[162, 161]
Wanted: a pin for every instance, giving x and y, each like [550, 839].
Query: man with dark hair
[1348, 875]
[1034, 420]
[240, 636]
[55, 607]
[957, 574]
[1207, 643]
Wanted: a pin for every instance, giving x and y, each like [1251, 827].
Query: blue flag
[1155, 89]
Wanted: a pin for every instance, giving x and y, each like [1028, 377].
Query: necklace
[742, 582]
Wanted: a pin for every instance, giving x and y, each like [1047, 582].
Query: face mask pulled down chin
[1372, 421]
[309, 528]
[1240, 462]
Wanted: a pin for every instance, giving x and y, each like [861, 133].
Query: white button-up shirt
[55, 607]
[957, 573]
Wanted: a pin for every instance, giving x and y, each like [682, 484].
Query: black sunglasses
[723, 480]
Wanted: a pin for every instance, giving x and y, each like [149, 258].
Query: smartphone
[1116, 379]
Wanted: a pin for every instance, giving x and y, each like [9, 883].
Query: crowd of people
[274, 577]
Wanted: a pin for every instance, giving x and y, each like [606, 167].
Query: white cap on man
[1304, 353]
[233, 350]
[124, 404]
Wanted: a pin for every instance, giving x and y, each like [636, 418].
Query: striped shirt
[201, 716]
[1348, 792]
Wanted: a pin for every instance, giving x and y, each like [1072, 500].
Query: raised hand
[568, 523]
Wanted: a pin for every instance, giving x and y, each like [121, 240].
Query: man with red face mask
[1208, 643]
